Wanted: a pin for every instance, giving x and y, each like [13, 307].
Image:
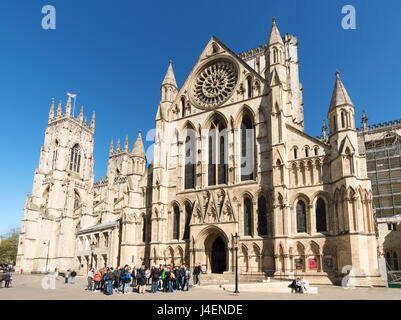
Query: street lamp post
[235, 238]
[48, 247]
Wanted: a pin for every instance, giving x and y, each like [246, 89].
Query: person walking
[197, 272]
[73, 275]
[97, 278]
[7, 278]
[90, 279]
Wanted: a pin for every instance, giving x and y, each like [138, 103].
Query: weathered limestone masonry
[230, 157]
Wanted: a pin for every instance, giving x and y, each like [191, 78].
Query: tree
[9, 247]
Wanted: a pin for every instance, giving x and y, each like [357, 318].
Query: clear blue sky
[114, 54]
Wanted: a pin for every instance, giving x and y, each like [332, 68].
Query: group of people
[298, 285]
[161, 278]
[70, 274]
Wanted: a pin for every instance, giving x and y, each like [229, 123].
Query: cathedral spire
[81, 114]
[139, 150]
[118, 145]
[324, 130]
[169, 86]
[126, 142]
[93, 121]
[275, 36]
[51, 112]
[364, 121]
[169, 78]
[340, 96]
[59, 109]
[111, 148]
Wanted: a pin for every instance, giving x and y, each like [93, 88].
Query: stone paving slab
[29, 287]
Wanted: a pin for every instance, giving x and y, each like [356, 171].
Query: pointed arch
[247, 138]
[217, 151]
[190, 155]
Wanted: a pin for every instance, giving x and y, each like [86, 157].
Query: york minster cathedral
[232, 169]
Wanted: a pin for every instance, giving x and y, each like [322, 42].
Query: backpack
[164, 274]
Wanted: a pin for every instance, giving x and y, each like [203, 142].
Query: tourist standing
[155, 274]
[127, 280]
[187, 277]
[110, 277]
[97, 278]
[167, 276]
[67, 275]
[141, 280]
[90, 279]
[133, 276]
[73, 275]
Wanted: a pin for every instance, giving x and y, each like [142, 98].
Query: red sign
[312, 264]
[204, 268]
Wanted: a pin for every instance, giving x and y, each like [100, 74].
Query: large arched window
[75, 159]
[190, 159]
[247, 149]
[388, 260]
[247, 217]
[188, 213]
[321, 225]
[262, 216]
[77, 200]
[395, 261]
[249, 86]
[301, 216]
[144, 230]
[183, 106]
[217, 153]
[176, 223]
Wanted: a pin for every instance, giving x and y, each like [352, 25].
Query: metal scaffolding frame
[383, 161]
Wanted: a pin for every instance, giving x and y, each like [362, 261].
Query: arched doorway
[218, 256]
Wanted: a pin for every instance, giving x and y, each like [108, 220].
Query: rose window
[214, 84]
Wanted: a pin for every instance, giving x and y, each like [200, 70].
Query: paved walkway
[28, 287]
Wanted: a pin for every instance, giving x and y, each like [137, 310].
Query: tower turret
[51, 112]
[275, 56]
[341, 112]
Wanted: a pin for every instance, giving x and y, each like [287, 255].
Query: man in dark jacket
[110, 277]
[196, 273]
[155, 275]
[182, 276]
[141, 279]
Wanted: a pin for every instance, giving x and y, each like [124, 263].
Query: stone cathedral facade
[230, 157]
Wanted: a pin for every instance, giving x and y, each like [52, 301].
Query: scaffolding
[383, 160]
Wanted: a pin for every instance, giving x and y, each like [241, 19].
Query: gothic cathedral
[232, 169]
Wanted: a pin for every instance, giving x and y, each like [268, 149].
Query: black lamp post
[92, 248]
[236, 238]
[48, 247]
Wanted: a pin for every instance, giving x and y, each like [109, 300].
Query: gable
[216, 55]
